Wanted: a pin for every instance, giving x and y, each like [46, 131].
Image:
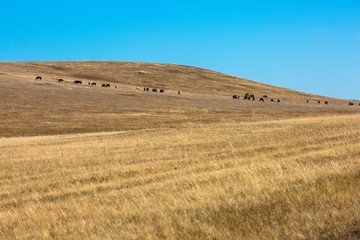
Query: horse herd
[79, 82]
[147, 89]
[249, 97]
[107, 85]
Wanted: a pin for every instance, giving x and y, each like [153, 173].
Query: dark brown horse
[38, 78]
[77, 82]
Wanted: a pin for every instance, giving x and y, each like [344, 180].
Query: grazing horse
[162, 91]
[77, 82]
[60, 80]
[235, 96]
[265, 96]
[350, 104]
[318, 101]
[38, 78]
[326, 103]
[246, 95]
[252, 97]
[105, 85]
[272, 100]
[154, 90]
[261, 99]
[93, 84]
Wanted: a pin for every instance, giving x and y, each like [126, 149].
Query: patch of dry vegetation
[128, 164]
[30, 107]
[284, 179]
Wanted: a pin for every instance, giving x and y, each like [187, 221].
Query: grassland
[93, 163]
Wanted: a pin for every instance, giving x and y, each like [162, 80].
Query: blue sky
[307, 45]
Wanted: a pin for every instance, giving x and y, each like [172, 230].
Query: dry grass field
[82, 162]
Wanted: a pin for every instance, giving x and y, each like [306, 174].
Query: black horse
[77, 82]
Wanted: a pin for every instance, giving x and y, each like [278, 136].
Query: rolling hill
[38, 107]
[92, 162]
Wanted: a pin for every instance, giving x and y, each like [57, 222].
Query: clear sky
[307, 45]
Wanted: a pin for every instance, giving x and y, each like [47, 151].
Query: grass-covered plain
[86, 162]
[292, 179]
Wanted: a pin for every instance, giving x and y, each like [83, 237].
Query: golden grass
[30, 107]
[93, 163]
[284, 179]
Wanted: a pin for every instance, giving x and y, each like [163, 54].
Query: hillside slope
[168, 76]
[38, 107]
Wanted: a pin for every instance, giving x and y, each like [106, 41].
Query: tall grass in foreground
[291, 179]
